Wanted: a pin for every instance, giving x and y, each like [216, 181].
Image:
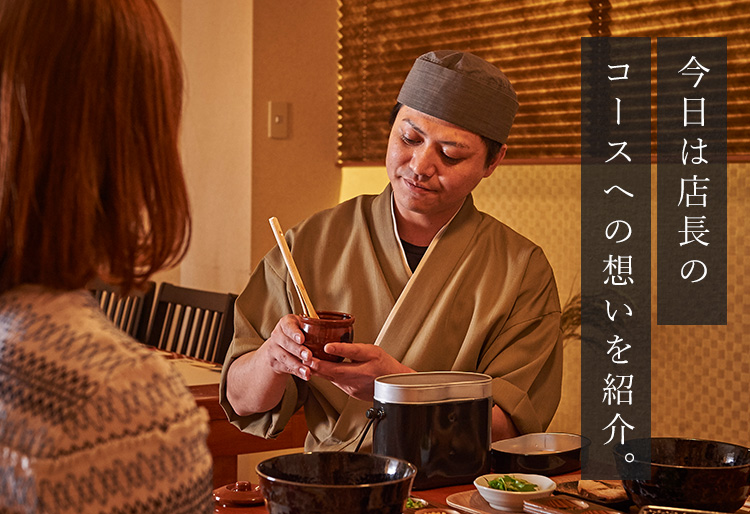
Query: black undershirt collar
[413, 253]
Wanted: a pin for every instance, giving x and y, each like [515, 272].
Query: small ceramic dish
[512, 500]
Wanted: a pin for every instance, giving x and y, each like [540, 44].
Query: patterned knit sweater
[90, 420]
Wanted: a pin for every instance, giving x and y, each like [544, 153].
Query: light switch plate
[278, 120]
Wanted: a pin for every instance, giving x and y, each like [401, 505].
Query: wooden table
[225, 441]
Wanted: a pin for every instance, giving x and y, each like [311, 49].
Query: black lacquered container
[335, 483]
[540, 453]
[686, 473]
[439, 421]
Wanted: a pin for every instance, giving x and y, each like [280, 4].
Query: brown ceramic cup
[329, 327]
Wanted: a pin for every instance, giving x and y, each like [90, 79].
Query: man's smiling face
[433, 165]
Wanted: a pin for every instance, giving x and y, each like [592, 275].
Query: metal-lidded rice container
[440, 421]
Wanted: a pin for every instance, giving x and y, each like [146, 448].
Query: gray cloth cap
[462, 89]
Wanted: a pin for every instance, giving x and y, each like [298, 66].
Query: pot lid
[239, 494]
[432, 387]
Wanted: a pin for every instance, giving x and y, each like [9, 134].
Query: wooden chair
[192, 322]
[130, 313]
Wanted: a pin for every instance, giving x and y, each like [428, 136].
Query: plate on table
[563, 504]
[419, 506]
[621, 503]
[472, 501]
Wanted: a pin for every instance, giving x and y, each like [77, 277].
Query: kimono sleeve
[525, 358]
[258, 309]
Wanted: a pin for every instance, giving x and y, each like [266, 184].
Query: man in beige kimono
[433, 283]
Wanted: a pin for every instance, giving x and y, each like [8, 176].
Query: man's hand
[357, 378]
[284, 352]
[256, 380]
[502, 425]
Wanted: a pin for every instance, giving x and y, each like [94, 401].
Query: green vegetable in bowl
[511, 483]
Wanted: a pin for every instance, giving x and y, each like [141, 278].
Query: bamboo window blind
[537, 44]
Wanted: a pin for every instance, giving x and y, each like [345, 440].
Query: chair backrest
[192, 322]
[130, 313]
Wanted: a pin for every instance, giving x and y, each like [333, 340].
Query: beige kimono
[483, 299]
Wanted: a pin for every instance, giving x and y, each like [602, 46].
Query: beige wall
[217, 49]
[238, 55]
[295, 61]
[172, 12]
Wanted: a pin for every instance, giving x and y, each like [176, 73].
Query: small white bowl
[512, 500]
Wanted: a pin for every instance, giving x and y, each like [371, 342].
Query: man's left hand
[356, 377]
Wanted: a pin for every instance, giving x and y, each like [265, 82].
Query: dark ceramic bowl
[539, 453]
[688, 473]
[335, 482]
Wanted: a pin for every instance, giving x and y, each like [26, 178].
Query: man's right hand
[256, 380]
[284, 352]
